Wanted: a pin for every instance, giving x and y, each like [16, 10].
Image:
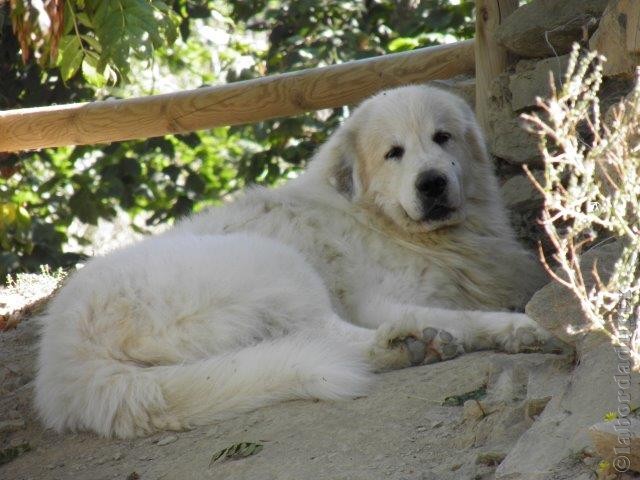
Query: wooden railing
[260, 99]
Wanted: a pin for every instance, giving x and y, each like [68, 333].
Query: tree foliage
[80, 50]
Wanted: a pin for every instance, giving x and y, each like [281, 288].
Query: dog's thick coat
[364, 262]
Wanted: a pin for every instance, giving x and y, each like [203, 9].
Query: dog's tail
[116, 398]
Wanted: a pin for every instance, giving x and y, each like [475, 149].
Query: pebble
[472, 410]
[118, 456]
[491, 459]
[167, 440]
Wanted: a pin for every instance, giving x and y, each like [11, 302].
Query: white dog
[393, 249]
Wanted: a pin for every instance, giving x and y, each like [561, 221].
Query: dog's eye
[441, 137]
[396, 152]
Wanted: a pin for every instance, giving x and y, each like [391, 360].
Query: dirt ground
[402, 430]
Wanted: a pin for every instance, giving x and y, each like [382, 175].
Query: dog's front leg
[428, 334]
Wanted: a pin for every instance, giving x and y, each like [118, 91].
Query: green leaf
[83, 204]
[90, 72]
[235, 452]
[70, 55]
[93, 43]
[84, 19]
[457, 400]
[403, 44]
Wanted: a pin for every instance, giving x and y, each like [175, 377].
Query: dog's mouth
[436, 217]
[437, 212]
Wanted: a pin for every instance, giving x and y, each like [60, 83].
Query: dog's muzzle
[431, 187]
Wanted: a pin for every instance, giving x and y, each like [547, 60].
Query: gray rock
[610, 39]
[510, 141]
[462, 85]
[556, 308]
[519, 189]
[613, 91]
[618, 438]
[532, 79]
[548, 449]
[506, 136]
[544, 28]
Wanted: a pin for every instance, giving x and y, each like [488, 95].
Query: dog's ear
[336, 160]
[476, 142]
[485, 184]
[474, 138]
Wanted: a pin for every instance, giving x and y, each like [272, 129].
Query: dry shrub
[592, 191]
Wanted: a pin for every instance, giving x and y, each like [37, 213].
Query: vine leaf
[70, 56]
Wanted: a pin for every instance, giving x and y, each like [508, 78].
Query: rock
[167, 439]
[610, 39]
[614, 90]
[520, 190]
[491, 459]
[528, 231]
[547, 380]
[602, 382]
[506, 136]
[511, 142]
[535, 406]
[555, 307]
[12, 425]
[618, 441]
[532, 79]
[472, 410]
[462, 85]
[547, 450]
[544, 28]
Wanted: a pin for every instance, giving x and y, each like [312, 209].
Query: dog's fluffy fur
[300, 291]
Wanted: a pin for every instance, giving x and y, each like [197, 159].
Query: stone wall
[539, 36]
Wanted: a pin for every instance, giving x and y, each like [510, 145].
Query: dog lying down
[393, 249]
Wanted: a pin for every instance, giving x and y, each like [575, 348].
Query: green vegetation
[82, 50]
[458, 400]
[235, 452]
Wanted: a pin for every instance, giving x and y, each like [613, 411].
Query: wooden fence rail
[231, 104]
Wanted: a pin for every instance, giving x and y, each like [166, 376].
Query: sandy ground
[400, 431]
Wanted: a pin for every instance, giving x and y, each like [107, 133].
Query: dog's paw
[525, 336]
[422, 347]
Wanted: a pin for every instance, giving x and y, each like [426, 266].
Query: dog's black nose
[431, 184]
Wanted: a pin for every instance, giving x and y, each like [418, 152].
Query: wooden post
[231, 104]
[491, 58]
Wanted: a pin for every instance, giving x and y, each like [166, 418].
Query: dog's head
[415, 152]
